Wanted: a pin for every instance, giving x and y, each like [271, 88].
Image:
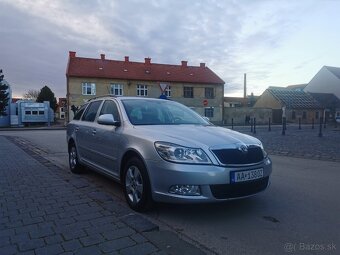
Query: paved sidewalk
[47, 211]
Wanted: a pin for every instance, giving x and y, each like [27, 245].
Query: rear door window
[80, 112]
[91, 111]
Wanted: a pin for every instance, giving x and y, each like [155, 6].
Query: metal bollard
[299, 123]
[254, 125]
[320, 128]
[232, 123]
[283, 126]
[313, 123]
[269, 128]
[251, 125]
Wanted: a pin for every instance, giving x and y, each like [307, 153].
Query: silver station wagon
[163, 151]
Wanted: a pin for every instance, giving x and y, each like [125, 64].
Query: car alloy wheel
[137, 185]
[75, 166]
[134, 184]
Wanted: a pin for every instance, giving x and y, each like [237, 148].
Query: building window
[304, 115]
[209, 93]
[41, 113]
[317, 115]
[188, 92]
[89, 88]
[142, 90]
[168, 91]
[34, 112]
[293, 115]
[27, 112]
[116, 89]
[209, 112]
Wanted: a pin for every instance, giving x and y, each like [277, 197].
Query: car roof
[119, 98]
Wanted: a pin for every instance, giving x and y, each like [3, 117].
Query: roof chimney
[184, 63]
[126, 58]
[202, 64]
[245, 86]
[72, 54]
[148, 61]
[102, 56]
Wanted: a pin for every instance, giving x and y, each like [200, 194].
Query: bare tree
[31, 94]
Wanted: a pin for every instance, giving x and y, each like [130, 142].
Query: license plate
[243, 176]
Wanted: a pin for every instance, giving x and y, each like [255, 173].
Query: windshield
[160, 112]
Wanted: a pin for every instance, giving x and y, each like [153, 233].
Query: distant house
[61, 108]
[330, 103]
[235, 102]
[327, 80]
[195, 86]
[294, 104]
[249, 101]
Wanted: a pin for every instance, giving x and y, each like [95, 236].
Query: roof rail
[108, 95]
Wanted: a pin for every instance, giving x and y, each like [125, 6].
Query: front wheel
[73, 160]
[136, 183]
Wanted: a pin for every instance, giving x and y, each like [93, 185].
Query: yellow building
[195, 86]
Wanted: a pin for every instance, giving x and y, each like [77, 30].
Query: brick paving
[304, 143]
[47, 211]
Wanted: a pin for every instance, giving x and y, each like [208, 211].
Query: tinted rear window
[91, 111]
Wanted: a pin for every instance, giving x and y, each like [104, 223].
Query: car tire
[73, 160]
[137, 189]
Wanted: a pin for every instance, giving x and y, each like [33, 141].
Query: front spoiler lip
[180, 199]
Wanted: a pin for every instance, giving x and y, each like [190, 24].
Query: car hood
[195, 135]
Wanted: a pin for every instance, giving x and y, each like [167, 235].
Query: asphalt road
[298, 214]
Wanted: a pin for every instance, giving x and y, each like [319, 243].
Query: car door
[108, 138]
[86, 133]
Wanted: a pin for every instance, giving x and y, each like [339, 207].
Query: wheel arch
[69, 143]
[131, 153]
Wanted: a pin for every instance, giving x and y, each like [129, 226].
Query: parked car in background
[161, 150]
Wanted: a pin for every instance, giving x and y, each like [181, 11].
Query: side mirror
[108, 119]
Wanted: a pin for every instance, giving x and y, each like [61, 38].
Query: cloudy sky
[277, 43]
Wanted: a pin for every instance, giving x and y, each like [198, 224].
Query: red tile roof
[127, 70]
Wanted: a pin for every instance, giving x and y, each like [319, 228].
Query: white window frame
[117, 87]
[86, 86]
[167, 91]
[142, 90]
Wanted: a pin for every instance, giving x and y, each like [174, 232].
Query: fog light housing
[185, 190]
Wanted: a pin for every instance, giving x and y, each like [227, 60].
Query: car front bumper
[213, 180]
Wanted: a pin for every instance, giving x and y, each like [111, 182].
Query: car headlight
[180, 154]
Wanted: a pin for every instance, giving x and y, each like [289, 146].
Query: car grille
[237, 157]
[234, 190]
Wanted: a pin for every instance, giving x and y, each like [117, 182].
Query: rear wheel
[137, 185]
[73, 160]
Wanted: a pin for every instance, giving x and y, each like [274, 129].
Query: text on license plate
[242, 176]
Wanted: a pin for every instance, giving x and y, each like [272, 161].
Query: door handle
[94, 132]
